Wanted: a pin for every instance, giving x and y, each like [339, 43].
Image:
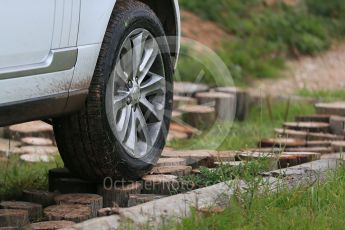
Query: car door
[26, 31]
[37, 38]
[37, 49]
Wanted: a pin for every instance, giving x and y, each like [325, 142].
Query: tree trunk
[95, 202]
[34, 210]
[52, 225]
[43, 198]
[242, 100]
[338, 125]
[200, 117]
[160, 184]
[13, 218]
[288, 133]
[29, 129]
[313, 118]
[194, 158]
[333, 108]
[180, 101]
[118, 194]
[70, 212]
[172, 170]
[171, 162]
[317, 127]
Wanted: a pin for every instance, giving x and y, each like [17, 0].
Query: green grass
[320, 206]
[324, 95]
[260, 124]
[16, 175]
[264, 37]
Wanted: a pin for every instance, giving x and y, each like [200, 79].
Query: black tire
[87, 145]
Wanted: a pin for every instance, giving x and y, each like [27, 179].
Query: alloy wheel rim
[135, 95]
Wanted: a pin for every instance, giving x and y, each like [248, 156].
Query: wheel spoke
[155, 83]
[137, 52]
[155, 109]
[150, 53]
[120, 101]
[132, 132]
[143, 126]
[127, 59]
[125, 124]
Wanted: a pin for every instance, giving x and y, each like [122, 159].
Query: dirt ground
[203, 31]
[323, 72]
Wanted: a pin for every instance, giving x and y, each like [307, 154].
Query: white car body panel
[26, 31]
[33, 30]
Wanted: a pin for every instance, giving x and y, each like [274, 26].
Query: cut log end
[172, 170]
[95, 202]
[118, 194]
[160, 184]
[52, 225]
[13, 218]
[34, 210]
[70, 212]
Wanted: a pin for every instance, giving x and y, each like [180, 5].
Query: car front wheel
[122, 129]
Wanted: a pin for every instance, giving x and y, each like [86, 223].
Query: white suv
[100, 71]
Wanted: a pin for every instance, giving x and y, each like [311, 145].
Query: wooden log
[176, 135]
[36, 157]
[289, 133]
[95, 202]
[70, 212]
[47, 150]
[318, 143]
[176, 115]
[72, 185]
[160, 184]
[224, 155]
[183, 128]
[226, 108]
[323, 137]
[180, 101]
[13, 218]
[285, 159]
[171, 162]
[52, 225]
[321, 150]
[338, 146]
[194, 158]
[313, 118]
[37, 141]
[30, 129]
[242, 100]
[224, 104]
[136, 199]
[188, 88]
[34, 210]
[43, 198]
[334, 108]
[108, 212]
[230, 163]
[200, 117]
[337, 125]
[296, 158]
[308, 126]
[281, 142]
[172, 170]
[118, 194]
[8, 147]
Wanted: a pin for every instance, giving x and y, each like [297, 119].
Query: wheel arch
[94, 18]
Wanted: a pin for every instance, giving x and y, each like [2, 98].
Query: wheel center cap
[135, 94]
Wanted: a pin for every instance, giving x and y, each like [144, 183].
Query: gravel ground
[323, 72]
